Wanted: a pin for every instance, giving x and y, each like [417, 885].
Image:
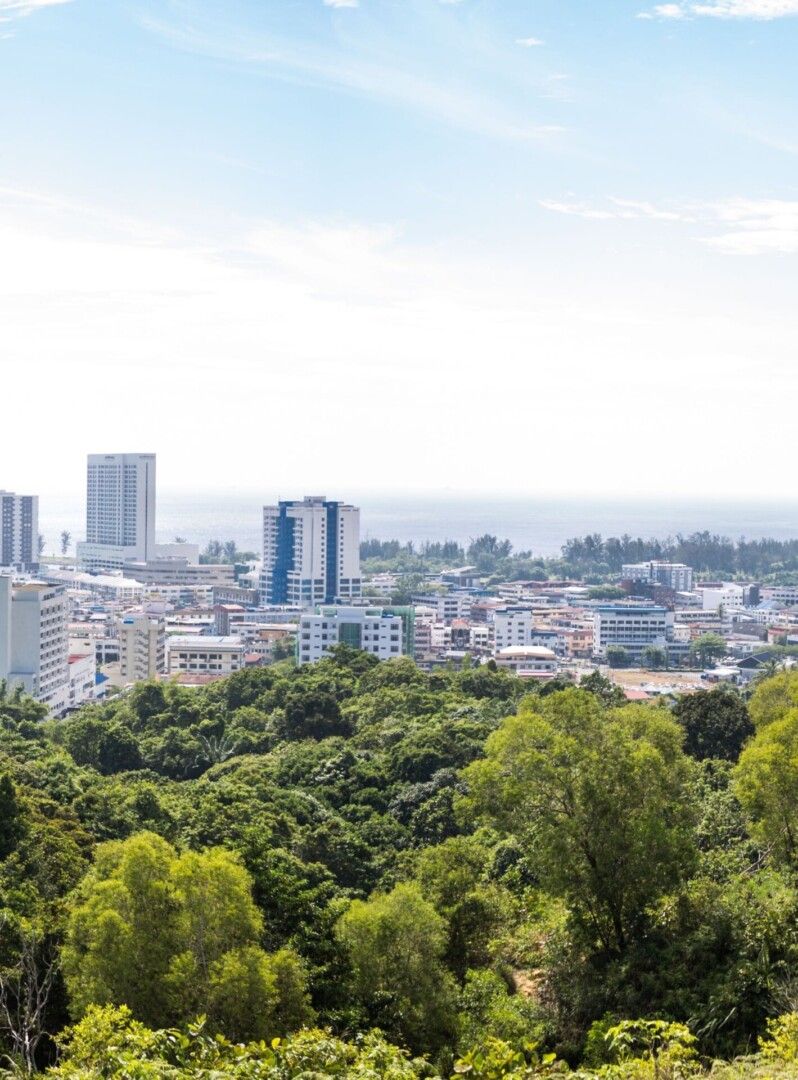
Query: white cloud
[749, 226]
[725, 9]
[16, 9]
[529, 42]
[341, 3]
[349, 330]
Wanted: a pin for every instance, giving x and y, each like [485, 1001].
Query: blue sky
[560, 236]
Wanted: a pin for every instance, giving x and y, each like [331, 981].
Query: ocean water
[541, 525]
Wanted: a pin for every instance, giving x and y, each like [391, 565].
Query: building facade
[142, 646]
[19, 530]
[120, 511]
[204, 655]
[34, 642]
[311, 553]
[676, 576]
[631, 627]
[378, 631]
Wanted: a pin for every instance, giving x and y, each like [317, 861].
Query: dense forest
[359, 869]
[592, 558]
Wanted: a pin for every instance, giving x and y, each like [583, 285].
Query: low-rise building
[204, 655]
[378, 631]
[676, 576]
[528, 661]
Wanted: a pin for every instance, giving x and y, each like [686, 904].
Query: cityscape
[398, 540]
[124, 609]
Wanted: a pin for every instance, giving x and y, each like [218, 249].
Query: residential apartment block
[19, 530]
[204, 655]
[311, 553]
[142, 646]
[676, 576]
[34, 644]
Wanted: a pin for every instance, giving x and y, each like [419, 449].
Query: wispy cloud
[529, 42]
[735, 226]
[363, 71]
[17, 9]
[724, 9]
[341, 3]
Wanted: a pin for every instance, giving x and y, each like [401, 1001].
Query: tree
[766, 783]
[618, 656]
[600, 798]
[66, 540]
[10, 816]
[26, 986]
[395, 943]
[654, 657]
[708, 648]
[40, 542]
[774, 698]
[171, 936]
[716, 723]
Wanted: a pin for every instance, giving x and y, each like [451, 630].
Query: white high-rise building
[19, 530]
[311, 553]
[34, 644]
[120, 511]
[372, 630]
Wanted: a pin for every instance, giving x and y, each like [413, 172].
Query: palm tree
[66, 540]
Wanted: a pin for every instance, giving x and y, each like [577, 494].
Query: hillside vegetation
[358, 869]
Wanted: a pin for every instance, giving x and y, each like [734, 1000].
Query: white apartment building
[512, 626]
[311, 553]
[142, 646]
[631, 626]
[34, 645]
[447, 606]
[19, 530]
[368, 629]
[204, 655]
[120, 511]
[782, 594]
[677, 576]
[725, 595]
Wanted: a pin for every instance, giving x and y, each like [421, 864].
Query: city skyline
[355, 223]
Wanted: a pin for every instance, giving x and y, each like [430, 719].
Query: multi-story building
[311, 553]
[176, 571]
[82, 677]
[142, 646]
[19, 530]
[34, 644]
[120, 511]
[676, 576]
[512, 626]
[446, 605]
[204, 655]
[379, 631]
[630, 626]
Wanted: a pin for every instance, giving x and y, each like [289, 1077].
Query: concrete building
[630, 626]
[34, 646]
[142, 646]
[204, 655]
[676, 576]
[512, 626]
[528, 661]
[446, 605]
[120, 511]
[177, 571]
[19, 530]
[311, 553]
[378, 631]
[82, 665]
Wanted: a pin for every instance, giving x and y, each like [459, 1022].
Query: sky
[496, 246]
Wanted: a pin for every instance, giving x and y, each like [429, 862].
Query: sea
[536, 524]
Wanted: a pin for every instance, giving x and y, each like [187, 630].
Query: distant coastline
[539, 524]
